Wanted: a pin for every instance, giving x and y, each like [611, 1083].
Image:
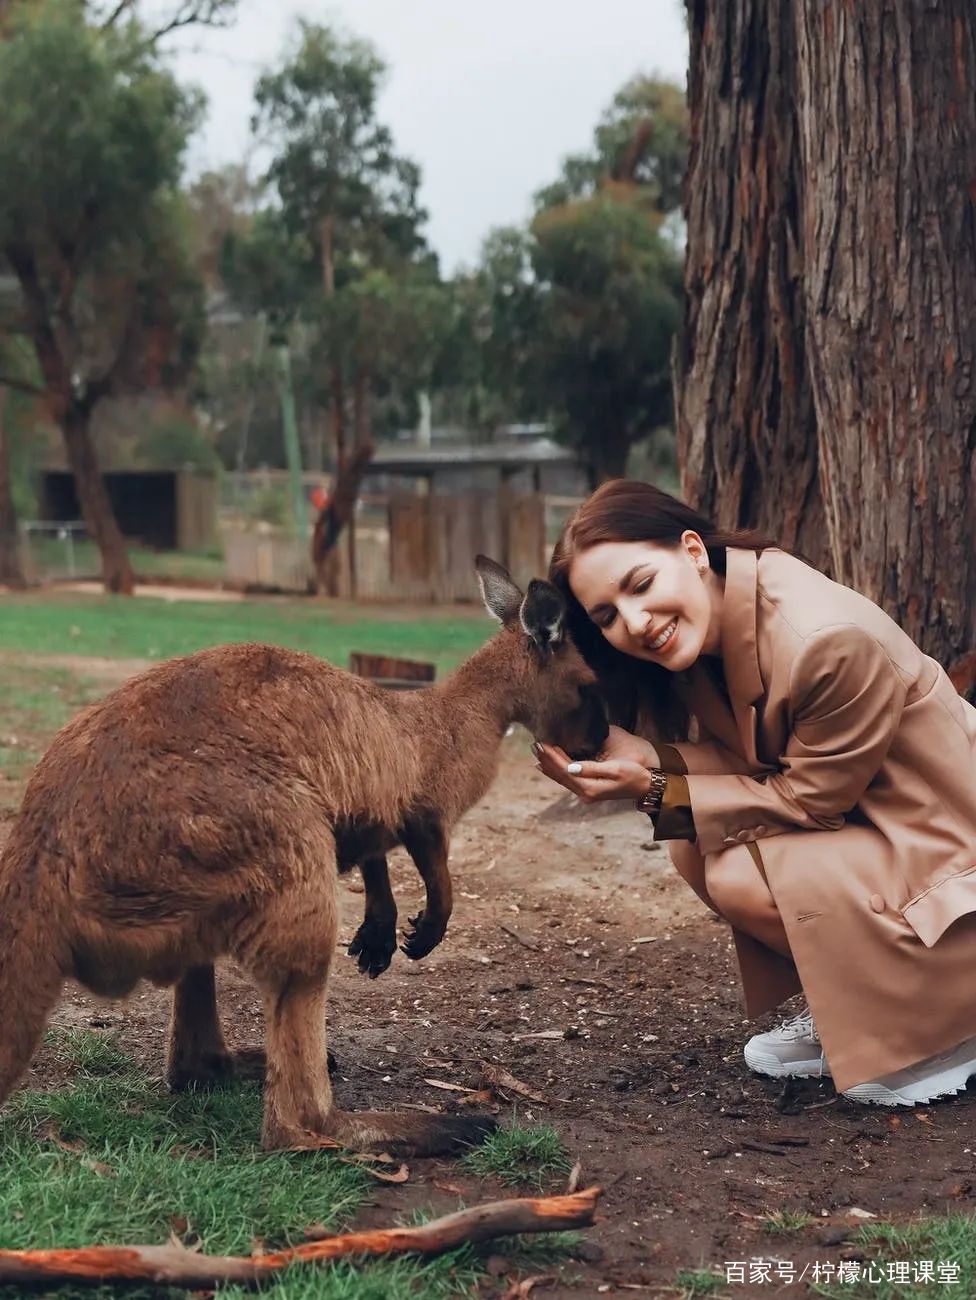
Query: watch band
[650, 802]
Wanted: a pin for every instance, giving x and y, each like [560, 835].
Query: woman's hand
[623, 745]
[608, 778]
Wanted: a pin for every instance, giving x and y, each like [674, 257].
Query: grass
[521, 1155]
[36, 702]
[782, 1222]
[144, 628]
[699, 1281]
[113, 1158]
[52, 557]
[949, 1241]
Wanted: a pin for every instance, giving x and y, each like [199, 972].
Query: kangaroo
[198, 812]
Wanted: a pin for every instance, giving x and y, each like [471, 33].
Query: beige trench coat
[849, 761]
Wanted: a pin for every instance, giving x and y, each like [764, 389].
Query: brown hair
[641, 695]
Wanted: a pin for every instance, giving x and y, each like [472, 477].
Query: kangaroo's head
[556, 689]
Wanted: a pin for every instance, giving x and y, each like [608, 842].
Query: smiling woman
[823, 801]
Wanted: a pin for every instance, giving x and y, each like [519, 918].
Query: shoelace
[801, 1025]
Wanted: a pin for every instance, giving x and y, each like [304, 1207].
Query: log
[176, 1266]
[397, 674]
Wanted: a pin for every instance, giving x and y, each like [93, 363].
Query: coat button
[877, 903]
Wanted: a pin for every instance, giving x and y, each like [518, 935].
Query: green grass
[143, 628]
[782, 1222]
[950, 1240]
[695, 1282]
[52, 558]
[113, 1158]
[521, 1154]
[36, 701]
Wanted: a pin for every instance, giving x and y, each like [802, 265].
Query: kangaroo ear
[543, 614]
[501, 595]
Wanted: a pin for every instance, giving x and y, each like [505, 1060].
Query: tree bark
[96, 509]
[11, 568]
[335, 516]
[886, 103]
[824, 382]
[177, 1266]
[746, 435]
[73, 416]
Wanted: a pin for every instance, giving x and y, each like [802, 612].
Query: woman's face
[655, 602]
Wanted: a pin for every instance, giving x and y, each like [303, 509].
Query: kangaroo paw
[374, 944]
[216, 1068]
[424, 935]
[207, 1070]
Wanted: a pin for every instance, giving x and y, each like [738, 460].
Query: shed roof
[513, 456]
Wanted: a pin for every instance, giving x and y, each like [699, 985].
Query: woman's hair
[640, 694]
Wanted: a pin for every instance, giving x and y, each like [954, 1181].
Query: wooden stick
[175, 1266]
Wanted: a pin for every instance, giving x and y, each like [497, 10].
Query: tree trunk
[830, 334]
[96, 509]
[73, 417]
[608, 457]
[746, 435]
[11, 569]
[335, 516]
[886, 102]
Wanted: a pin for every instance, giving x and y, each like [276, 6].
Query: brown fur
[194, 813]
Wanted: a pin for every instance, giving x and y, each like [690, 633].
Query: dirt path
[579, 962]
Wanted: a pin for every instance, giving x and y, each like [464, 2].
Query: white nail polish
[574, 768]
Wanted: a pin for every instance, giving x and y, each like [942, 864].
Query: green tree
[91, 142]
[609, 303]
[640, 144]
[349, 210]
[578, 312]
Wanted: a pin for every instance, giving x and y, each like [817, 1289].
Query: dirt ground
[580, 963]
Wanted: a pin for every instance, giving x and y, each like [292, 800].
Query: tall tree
[609, 302]
[345, 191]
[91, 139]
[824, 381]
[581, 309]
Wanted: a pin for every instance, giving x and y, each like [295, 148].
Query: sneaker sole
[875, 1094]
[763, 1063]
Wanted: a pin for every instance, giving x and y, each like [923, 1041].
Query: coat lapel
[740, 657]
[709, 705]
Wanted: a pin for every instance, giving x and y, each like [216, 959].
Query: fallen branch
[175, 1266]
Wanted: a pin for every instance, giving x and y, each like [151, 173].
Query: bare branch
[176, 1266]
[188, 13]
[122, 7]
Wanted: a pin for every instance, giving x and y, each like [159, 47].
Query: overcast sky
[486, 95]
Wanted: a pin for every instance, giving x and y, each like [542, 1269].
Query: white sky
[486, 95]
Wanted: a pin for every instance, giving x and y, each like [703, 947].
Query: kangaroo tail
[30, 972]
[409, 1135]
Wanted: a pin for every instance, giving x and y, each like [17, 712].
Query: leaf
[499, 1078]
[364, 1162]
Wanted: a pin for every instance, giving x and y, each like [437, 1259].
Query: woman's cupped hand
[620, 771]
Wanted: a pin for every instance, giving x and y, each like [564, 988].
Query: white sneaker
[936, 1076]
[790, 1051]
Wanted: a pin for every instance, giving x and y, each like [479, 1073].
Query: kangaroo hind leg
[197, 1055]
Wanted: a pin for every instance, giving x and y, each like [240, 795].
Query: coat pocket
[932, 912]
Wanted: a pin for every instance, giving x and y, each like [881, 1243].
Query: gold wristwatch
[650, 802]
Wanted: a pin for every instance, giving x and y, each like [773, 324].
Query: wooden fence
[419, 548]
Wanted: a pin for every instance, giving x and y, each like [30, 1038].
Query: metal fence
[57, 550]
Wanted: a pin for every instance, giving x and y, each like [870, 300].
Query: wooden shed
[170, 509]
